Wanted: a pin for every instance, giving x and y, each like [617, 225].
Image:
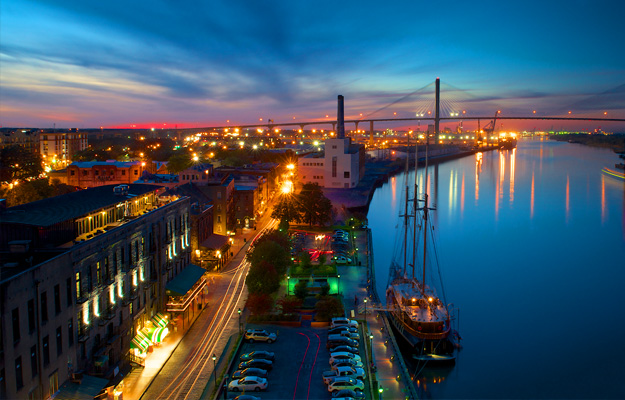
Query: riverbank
[377, 172]
[615, 142]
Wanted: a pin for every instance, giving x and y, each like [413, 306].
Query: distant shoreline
[615, 142]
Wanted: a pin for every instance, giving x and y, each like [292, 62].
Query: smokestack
[340, 119]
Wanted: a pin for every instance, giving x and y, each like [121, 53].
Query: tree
[262, 278]
[301, 290]
[328, 307]
[286, 210]
[272, 253]
[179, 162]
[17, 163]
[315, 208]
[322, 259]
[289, 304]
[259, 303]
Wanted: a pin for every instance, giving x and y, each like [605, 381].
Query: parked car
[351, 335]
[257, 363]
[347, 363]
[261, 373]
[248, 383]
[348, 394]
[342, 321]
[265, 355]
[248, 397]
[346, 383]
[344, 348]
[260, 335]
[340, 340]
[342, 260]
[340, 329]
[343, 355]
[356, 373]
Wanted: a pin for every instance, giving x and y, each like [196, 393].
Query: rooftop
[69, 206]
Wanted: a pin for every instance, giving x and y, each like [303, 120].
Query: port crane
[488, 129]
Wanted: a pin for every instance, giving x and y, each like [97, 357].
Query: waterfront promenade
[353, 287]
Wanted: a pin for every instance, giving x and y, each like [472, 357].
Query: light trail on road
[189, 378]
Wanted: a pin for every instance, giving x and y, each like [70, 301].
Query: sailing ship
[415, 309]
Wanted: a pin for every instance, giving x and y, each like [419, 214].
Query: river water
[531, 243]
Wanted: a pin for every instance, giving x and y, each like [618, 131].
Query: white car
[248, 383]
[346, 383]
[351, 335]
[342, 356]
[341, 321]
[346, 363]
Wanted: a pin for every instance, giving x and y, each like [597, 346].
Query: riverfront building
[343, 164]
[86, 281]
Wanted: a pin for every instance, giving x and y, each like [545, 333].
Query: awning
[140, 342]
[88, 388]
[184, 281]
[215, 242]
[160, 320]
[158, 334]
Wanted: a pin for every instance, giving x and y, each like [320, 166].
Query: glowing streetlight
[215, 367]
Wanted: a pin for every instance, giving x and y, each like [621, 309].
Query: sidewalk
[354, 285]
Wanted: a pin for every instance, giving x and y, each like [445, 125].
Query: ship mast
[425, 210]
[414, 208]
[406, 210]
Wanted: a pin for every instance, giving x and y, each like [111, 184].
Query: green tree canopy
[17, 163]
[286, 210]
[272, 253]
[179, 161]
[315, 208]
[262, 278]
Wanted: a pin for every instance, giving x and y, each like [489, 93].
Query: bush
[259, 303]
[329, 307]
[289, 304]
[301, 289]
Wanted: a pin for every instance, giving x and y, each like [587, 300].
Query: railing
[136, 360]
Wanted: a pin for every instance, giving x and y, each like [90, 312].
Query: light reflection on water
[536, 263]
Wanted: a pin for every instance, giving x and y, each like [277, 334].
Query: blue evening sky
[85, 63]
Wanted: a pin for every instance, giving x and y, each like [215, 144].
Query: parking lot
[300, 359]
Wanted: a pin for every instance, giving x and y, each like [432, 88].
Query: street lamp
[215, 368]
[339, 284]
[288, 285]
[239, 319]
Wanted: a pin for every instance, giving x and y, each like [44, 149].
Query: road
[190, 367]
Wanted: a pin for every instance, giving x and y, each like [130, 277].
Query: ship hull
[438, 350]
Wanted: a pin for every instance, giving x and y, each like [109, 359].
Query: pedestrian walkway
[354, 283]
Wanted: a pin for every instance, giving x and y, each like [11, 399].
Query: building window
[19, 382]
[57, 299]
[31, 315]
[85, 173]
[15, 316]
[334, 147]
[346, 174]
[78, 291]
[44, 307]
[72, 172]
[334, 161]
[70, 332]
[219, 195]
[123, 172]
[59, 341]
[46, 351]
[136, 172]
[33, 361]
